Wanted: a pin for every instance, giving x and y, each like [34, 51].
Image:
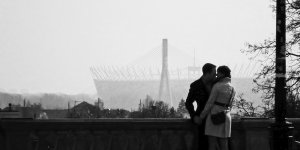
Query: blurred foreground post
[281, 128]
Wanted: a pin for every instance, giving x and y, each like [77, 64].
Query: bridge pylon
[164, 87]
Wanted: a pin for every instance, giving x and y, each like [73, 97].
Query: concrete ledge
[127, 134]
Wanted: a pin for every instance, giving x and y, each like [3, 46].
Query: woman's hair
[224, 70]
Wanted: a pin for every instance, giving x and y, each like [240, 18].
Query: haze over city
[48, 46]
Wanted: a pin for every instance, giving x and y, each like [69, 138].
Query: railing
[294, 141]
[126, 134]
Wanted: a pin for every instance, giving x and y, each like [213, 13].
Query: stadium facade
[124, 87]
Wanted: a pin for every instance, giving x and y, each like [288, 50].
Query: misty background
[49, 46]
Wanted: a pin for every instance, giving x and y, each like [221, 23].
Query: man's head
[209, 71]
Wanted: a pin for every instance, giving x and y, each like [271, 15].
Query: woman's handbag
[220, 117]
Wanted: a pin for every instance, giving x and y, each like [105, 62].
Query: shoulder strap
[230, 99]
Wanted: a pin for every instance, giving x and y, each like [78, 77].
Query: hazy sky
[49, 45]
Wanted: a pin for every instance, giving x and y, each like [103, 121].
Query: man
[199, 92]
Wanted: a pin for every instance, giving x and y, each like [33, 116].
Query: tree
[245, 108]
[293, 106]
[181, 110]
[153, 109]
[264, 53]
[162, 109]
[172, 113]
[118, 113]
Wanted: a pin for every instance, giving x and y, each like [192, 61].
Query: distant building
[83, 110]
[100, 104]
[56, 113]
[18, 111]
[10, 112]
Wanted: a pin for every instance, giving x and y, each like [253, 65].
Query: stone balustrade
[126, 134]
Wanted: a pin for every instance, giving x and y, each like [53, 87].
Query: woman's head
[223, 71]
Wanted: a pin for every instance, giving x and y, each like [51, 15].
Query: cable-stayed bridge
[180, 64]
[164, 73]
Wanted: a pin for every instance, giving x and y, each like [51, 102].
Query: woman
[222, 94]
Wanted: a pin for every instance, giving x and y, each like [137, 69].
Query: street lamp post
[280, 129]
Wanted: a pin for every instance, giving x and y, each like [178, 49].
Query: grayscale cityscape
[149, 75]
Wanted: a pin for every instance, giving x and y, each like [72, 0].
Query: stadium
[124, 86]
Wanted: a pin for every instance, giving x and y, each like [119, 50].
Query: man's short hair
[208, 68]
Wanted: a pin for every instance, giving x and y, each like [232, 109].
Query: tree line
[150, 108]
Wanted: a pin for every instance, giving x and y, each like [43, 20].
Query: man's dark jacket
[199, 94]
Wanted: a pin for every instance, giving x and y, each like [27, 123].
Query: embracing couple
[214, 95]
